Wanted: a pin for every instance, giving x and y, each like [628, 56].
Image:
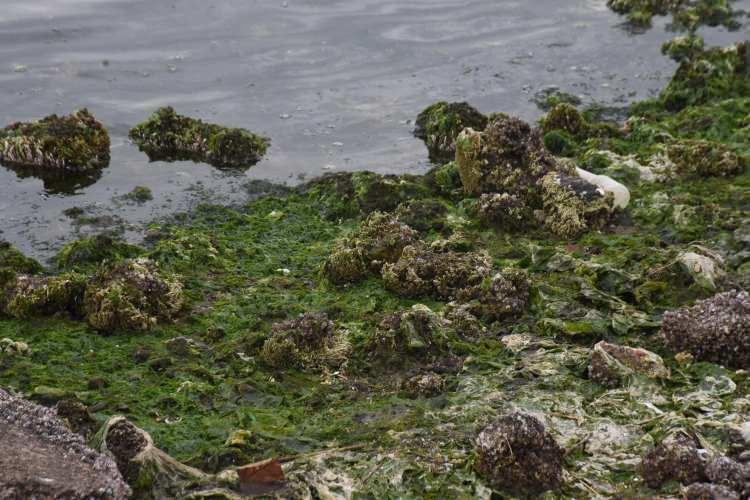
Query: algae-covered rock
[508, 157]
[11, 259]
[611, 364]
[168, 136]
[504, 295]
[688, 15]
[35, 296]
[151, 473]
[94, 250]
[428, 385]
[439, 125]
[422, 215]
[380, 239]
[564, 117]
[573, 205]
[73, 143]
[132, 295]
[716, 329]
[445, 180]
[677, 458]
[729, 473]
[683, 48]
[423, 272]
[516, 453]
[503, 210]
[310, 342]
[699, 158]
[76, 416]
[417, 331]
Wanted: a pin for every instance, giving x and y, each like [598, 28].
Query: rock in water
[40, 458]
[518, 454]
[167, 136]
[74, 143]
[439, 125]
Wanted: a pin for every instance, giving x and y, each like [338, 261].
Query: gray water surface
[335, 84]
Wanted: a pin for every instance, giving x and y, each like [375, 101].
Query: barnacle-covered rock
[76, 416]
[503, 295]
[508, 157]
[422, 215]
[700, 158]
[93, 250]
[132, 295]
[73, 143]
[423, 272]
[310, 342]
[572, 205]
[709, 491]
[726, 472]
[439, 125]
[380, 239]
[715, 329]
[507, 211]
[428, 384]
[34, 296]
[517, 453]
[418, 331]
[168, 136]
[677, 458]
[611, 364]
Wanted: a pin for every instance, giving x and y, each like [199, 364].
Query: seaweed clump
[93, 250]
[27, 296]
[516, 453]
[168, 136]
[687, 15]
[13, 260]
[380, 239]
[132, 295]
[74, 143]
[439, 125]
[310, 342]
[715, 329]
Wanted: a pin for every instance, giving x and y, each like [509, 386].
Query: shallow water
[335, 84]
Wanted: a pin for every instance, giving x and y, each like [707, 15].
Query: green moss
[36, 296]
[168, 136]
[685, 15]
[94, 250]
[560, 143]
[76, 143]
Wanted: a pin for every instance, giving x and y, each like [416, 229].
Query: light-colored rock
[620, 193]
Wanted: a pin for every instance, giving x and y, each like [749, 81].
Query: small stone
[425, 385]
[610, 364]
[676, 458]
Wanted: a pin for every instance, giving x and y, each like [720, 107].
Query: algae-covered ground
[429, 312]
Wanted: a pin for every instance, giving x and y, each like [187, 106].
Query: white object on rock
[706, 270]
[606, 185]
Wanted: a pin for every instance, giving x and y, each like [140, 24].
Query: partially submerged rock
[677, 458]
[516, 453]
[716, 329]
[439, 125]
[40, 458]
[168, 136]
[611, 364]
[132, 295]
[310, 342]
[74, 143]
[380, 239]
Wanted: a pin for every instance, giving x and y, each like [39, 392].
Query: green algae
[517, 336]
[439, 125]
[94, 250]
[168, 136]
[685, 15]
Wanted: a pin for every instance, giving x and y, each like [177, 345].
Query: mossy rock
[74, 143]
[14, 260]
[94, 250]
[439, 125]
[168, 136]
[37, 296]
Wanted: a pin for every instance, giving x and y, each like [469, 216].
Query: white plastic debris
[606, 184]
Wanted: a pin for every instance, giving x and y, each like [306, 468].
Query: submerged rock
[611, 365]
[168, 136]
[677, 458]
[73, 143]
[379, 240]
[517, 453]
[40, 458]
[132, 295]
[310, 342]
[716, 329]
[439, 125]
